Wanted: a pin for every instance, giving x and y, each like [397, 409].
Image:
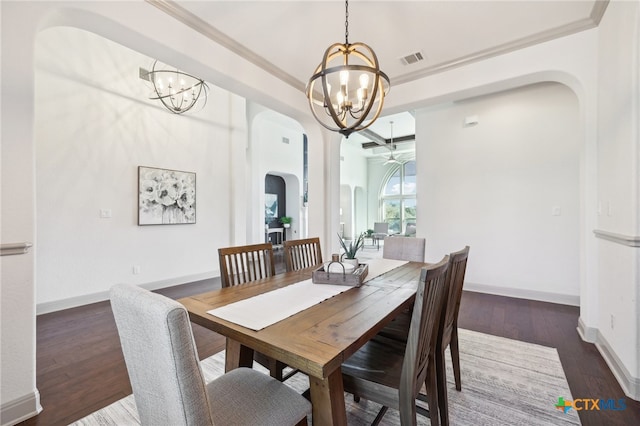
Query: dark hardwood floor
[80, 367]
[552, 325]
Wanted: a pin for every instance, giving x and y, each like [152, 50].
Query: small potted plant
[286, 221]
[351, 250]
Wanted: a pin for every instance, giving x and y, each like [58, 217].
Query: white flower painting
[166, 197]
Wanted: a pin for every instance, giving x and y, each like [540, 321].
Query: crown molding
[541, 37]
[201, 26]
[198, 24]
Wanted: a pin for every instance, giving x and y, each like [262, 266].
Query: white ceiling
[288, 38]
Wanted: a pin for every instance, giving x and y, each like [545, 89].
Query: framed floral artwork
[166, 197]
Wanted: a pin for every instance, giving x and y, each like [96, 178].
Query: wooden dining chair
[448, 334]
[391, 372]
[301, 254]
[167, 380]
[243, 264]
[404, 248]
[398, 329]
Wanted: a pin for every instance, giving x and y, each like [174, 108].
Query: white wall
[571, 59]
[494, 186]
[144, 28]
[270, 155]
[618, 325]
[83, 168]
[353, 174]
[93, 128]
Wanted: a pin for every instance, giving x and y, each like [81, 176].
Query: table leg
[237, 355]
[327, 398]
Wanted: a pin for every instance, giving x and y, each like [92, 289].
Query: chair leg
[432, 393]
[379, 417]
[455, 357]
[443, 398]
[289, 375]
[307, 394]
[275, 370]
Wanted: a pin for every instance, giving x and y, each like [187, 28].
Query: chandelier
[353, 70]
[178, 91]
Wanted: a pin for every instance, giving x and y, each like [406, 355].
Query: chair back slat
[455, 277]
[425, 321]
[243, 264]
[301, 254]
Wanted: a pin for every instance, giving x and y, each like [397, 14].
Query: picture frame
[270, 207]
[166, 196]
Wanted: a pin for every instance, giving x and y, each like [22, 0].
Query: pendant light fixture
[353, 72]
[392, 158]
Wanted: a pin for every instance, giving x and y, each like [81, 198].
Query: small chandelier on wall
[353, 72]
[178, 91]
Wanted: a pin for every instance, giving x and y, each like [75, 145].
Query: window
[398, 198]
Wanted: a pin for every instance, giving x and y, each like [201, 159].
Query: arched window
[398, 198]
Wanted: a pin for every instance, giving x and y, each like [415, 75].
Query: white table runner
[268, 308]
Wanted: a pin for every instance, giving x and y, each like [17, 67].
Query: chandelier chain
[346, 22]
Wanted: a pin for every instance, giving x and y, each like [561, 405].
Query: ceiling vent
[412, 58]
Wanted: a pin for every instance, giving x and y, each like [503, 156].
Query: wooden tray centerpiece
[353, 278]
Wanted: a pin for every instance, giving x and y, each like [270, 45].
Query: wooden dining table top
[318, 339]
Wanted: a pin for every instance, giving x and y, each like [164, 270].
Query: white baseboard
[72, 302]
[588, 334]
[542, 296]
[20, 409]
[629, 384]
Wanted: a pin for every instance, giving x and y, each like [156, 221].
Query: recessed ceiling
[288, 38]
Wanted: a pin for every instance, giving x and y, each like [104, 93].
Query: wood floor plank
[553, 325]
[80, 367]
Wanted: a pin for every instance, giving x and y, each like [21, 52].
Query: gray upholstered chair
[404, 248]
[410, 230]
[392, 372]
[380, 230]
[167, 381]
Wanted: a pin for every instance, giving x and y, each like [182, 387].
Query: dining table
[317, 339]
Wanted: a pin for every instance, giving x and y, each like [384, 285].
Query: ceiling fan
[392, 159]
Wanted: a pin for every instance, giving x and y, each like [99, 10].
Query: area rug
[504, 382]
